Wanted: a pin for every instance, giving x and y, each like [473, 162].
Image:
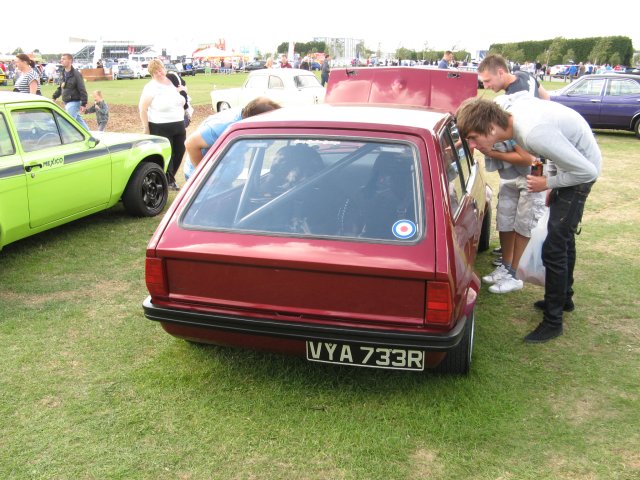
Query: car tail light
[439, 303]
[155, 277]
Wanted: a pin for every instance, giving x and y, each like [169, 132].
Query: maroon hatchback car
[345, 232]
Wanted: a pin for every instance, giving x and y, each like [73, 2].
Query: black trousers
[566, 206]
[177, 134]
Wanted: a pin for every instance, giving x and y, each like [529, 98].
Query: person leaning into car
[161, 110]
[560, 134]
[199, 142]
[72, 89]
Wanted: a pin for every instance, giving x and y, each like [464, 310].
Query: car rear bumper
[441, 342]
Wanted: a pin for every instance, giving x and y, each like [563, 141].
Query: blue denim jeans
[566, 206]
[73, 109]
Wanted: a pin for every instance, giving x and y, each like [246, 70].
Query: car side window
[621, 86]
[70, 134]
[37, 129]
[6, 144]
[257, 81]
[588, 87]
[464, 160]
[304, 81]
[455, 179]
[275, 82]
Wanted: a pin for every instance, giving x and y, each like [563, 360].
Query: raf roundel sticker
[404, 229]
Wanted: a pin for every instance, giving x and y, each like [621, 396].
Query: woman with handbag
[161, 110]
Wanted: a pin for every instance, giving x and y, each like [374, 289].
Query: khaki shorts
[518, 209]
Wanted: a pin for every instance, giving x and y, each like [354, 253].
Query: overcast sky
[458, 25]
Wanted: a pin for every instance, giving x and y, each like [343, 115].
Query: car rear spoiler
[416, 86]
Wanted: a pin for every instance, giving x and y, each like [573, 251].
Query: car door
[463, 202]
[585, 96]
[14, 208]
[256, 86]
[620, 103]
[67, 173]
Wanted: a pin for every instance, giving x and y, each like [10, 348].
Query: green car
[53, 171]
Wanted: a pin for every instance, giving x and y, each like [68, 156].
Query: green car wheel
[147, 191]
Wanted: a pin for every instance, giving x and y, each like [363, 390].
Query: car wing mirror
[92, 142]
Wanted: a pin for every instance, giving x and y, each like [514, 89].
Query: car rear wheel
[485, 233]
[223, 106]
[637, 128]
[147, 191]
[458, 360]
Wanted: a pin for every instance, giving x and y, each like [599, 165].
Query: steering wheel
[42, 142]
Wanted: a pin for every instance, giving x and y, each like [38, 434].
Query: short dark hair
[492, 63]
[259, 105]
[477, 115]
[68, 55]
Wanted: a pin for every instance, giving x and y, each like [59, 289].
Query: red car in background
[345, 232]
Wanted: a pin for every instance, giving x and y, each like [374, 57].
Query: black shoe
[568, 306]
[174, 186]
[543, 333]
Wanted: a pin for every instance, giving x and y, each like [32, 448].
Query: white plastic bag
[530, 268]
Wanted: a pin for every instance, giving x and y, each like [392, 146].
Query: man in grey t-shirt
[556, 132]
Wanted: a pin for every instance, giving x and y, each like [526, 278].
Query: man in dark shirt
[324, 75]
[493, 72]
[446, 60]
[72, 89]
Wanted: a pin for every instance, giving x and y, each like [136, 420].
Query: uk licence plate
[365, 355]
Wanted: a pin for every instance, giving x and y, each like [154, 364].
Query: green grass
[89, 388]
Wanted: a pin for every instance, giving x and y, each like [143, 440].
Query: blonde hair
[154, 66]
[98, 93]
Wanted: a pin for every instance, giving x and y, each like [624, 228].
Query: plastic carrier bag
[530, 268]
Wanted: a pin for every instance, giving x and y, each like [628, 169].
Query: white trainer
[506, 285]
[495, 276]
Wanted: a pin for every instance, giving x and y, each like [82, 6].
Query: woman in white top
[29, 80]
[162, 113]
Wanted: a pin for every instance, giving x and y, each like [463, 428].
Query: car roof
[612, 75]
[15, 97]
[342, 116]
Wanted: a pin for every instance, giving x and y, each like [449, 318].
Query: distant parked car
[315, 66]
[188, 69]
[53, 171]
[287, 86]
[141, 70]
[609, 101]
[257, 65]
[124, 72]
[558, 70]
[170, 67]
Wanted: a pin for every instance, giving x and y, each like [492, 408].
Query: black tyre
[458, 360]
[147, 191]
[485, 233]
[637, 128]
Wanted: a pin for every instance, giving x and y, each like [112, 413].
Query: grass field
[90, 389]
